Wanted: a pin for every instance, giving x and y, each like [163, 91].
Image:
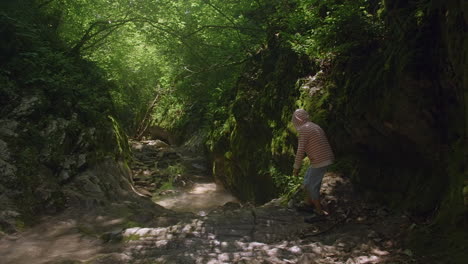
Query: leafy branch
[214, 67]
[238, 28]
[241, 41]
[105, 27]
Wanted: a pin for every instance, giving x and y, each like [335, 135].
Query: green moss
[121, 140]
[130, 224]
[250, 165]
[167, 185]
[131, 237]
[20, 224]
[87, 231]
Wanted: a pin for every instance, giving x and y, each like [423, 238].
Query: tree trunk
[145, 122]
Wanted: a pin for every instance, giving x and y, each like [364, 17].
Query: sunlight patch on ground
[203, 197]
[207, 247]
[204, 188]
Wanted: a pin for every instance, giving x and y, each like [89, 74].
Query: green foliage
[40, 65]
[384, 82]
[59, 103]
[175, 169]
[183, 49]
[20, 225]
[168, 185]
[227, 72]
[334, 28]
[121, 140]
[287, 182]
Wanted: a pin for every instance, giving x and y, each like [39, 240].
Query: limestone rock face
[59, 145]
[49, 162]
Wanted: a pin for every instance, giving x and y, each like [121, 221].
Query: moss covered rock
[253, 149]
[57, 145]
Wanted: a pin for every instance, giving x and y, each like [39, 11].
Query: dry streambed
[223, 231]
[176, 180]
[207, 225]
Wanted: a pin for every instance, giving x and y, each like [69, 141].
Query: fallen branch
[329, 228]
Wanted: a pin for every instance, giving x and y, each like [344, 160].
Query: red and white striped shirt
[312, 141]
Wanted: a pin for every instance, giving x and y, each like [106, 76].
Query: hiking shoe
[305, 208]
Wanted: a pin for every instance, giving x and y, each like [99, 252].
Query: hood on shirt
[300, 117]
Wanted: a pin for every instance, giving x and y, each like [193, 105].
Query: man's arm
[300, 152]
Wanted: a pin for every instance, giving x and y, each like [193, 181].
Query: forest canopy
[194, 50]
[190, 49]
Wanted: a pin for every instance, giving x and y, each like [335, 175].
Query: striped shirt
[312, 141]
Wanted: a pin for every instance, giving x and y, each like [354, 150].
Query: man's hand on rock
[295, 172]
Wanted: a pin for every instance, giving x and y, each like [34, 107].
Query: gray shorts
[313, 181]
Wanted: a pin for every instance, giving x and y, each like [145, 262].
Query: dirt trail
[207, 225]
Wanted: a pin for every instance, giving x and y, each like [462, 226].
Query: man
[314, 143]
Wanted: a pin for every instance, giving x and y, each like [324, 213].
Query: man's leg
[314, 182]
[307, 185]
[316, 204]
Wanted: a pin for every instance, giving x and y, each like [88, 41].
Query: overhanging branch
[241, 41]
[237, 28]
[101, 26]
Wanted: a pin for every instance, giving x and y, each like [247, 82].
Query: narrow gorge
[138, 131]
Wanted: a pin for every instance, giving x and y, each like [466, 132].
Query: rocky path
[275, 234]
[176, 179]
[356, 232]
[207, 225]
